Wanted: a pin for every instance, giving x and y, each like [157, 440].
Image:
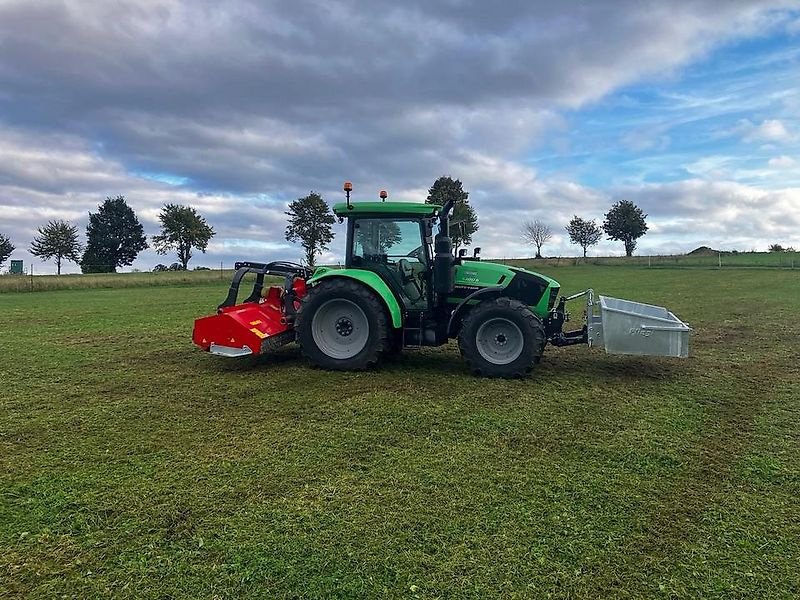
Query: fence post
[719, 257]
[220, 270]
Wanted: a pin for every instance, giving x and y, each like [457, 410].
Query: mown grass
[132, 465]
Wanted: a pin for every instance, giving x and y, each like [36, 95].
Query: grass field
[132, 465]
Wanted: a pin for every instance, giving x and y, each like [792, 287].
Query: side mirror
[476, 253]
[462, 253]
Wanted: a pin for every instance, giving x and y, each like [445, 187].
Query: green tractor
[402, 287]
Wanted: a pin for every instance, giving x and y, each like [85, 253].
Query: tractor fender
[370, 280]
[461, 309]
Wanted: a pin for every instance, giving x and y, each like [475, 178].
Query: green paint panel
[476, 273]
[371, 280]
[480, 274]
[400, 209]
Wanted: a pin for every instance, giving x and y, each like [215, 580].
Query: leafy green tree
[114, 237]
[625, 222]
[377, 236]
[310, 224]
[58, 239]
[6, 248]
[583, 233]
[464, 221]
[183, 229]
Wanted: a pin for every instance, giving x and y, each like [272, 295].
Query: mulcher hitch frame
[288, 270]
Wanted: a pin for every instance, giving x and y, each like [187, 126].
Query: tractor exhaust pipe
[443, 262]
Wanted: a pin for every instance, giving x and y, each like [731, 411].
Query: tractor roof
[412, 209]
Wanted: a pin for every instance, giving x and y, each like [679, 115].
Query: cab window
[393, 248]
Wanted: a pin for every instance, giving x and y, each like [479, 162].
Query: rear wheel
[342, 325]
[501, 338]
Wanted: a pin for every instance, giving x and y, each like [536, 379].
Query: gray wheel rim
[340, 328]
[499, 341]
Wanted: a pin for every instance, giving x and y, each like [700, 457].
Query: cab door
[396, 250]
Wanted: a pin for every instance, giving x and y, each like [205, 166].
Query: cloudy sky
[690, 108]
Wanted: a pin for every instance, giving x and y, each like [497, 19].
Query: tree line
[624, 222]
[115, 237]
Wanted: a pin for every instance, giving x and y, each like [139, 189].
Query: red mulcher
[264, 321]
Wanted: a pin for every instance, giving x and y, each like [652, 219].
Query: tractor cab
[395, 241]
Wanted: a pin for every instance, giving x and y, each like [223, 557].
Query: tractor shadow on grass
[555, 364]
[445, 361]
[287, 356]
[609, 367]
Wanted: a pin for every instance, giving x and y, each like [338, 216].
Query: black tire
[500, 321]
[324, 337]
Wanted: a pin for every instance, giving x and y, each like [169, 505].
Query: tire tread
[535, 335]
[337, 287]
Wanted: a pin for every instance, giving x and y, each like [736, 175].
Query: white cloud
[769, 130]
[782, 162]
[647, 138]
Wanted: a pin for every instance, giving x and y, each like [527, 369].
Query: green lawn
[132, 465]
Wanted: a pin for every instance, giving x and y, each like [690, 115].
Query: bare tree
[536, 233]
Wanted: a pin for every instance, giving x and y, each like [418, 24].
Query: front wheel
[342, 325]
[501, 338]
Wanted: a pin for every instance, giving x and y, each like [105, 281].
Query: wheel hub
[344, 326]
[340, 328]
[500, 341]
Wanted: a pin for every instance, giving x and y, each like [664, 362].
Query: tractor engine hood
[534, 289]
